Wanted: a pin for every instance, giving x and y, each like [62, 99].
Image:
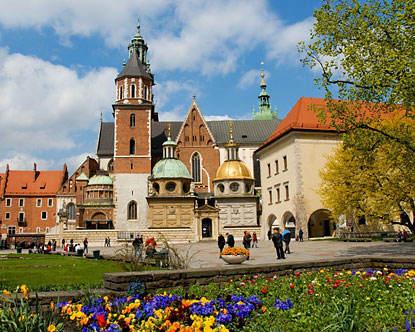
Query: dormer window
[132, 90]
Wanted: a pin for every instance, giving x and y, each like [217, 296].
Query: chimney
[35, 172]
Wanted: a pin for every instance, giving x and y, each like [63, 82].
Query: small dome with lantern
[233, 177]
[170, 175]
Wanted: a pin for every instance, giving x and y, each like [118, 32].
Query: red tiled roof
[27, 183]
[2, 182]
[303, 116]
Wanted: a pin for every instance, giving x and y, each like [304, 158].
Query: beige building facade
[290, 163]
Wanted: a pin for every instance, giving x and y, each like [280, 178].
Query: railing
[22, 222]
[350, 235]
[127, 236]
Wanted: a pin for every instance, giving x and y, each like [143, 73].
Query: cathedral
[190, 179]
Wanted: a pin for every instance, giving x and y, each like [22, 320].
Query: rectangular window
[270, 196]
[50, 201]
[285, 163]
[20, 229]
[21, 216]
[44, 215]
[287, 193]
[278, 195]
[186, 138]
[7, 216]
[37, 229]
[277, 169]
[38, 202]
[21, 202]
[269, 170]
[8, 202]
[11, 230]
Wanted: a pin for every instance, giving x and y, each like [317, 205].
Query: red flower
[264, 290]
[298, 274]
[102, 322]
[310, 291]
[291, 285]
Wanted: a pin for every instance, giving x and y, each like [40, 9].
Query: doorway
[206, 228]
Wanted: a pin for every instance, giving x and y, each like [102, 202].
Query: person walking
[269, 234]
[230, 240]
[245, 240]
[277, 240]
[301, 234]
[286, 237]
[221, 244]
[109, 242]
[86, 246]
[63, 243]
[248, 240]
[254, 240]
[136, 245]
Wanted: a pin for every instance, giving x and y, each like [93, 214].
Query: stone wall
[95, 237]
[118, 282]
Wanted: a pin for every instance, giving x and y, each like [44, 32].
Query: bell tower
[133, 113]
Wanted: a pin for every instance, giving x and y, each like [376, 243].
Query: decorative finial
[194, 97]
[100, 118]
[230, 132]
[169, 132]
[138, 26]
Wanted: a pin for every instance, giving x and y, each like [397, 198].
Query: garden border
[152, 280]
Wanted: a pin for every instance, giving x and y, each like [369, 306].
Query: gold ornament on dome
[233, 170]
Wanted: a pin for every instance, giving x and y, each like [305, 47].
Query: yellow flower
[24, 290]
[51, 328]
[6, 292]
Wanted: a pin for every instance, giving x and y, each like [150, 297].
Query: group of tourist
[72, 247]
[107, 242]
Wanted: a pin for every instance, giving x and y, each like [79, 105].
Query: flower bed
[369, 300]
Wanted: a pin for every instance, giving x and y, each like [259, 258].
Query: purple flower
[283, 305]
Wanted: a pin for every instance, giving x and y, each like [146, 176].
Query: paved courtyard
[206, 254]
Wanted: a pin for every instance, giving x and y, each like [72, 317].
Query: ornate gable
[195, 130]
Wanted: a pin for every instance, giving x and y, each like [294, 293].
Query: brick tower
[133, 112]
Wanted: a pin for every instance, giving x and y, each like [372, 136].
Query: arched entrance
[99, 221]
[320, 224]
[289, 222]
[206, 228]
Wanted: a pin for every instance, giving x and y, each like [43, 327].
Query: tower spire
[231, 147]
[264, 106]
[169, 146]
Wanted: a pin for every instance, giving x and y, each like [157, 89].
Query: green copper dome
[100, 180]
[170, 169]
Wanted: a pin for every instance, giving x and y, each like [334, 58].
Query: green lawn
[53, 272]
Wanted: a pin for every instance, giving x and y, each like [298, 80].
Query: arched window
[132, 90]
[132, 120]
[132, 210]
[120, 95]
[111, 165]
[145, 93]
[132, 146]
[71, 211]
[196, 167]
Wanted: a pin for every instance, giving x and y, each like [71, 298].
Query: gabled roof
[303, 117]
[106, 139]
[191, 108]
[2, 183]
[134, 68]
[244, 131]
[30, 183]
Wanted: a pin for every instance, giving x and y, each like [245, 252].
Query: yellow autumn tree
[373, 176]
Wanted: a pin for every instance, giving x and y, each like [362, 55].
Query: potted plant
[236, 255]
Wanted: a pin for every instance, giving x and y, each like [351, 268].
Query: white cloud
[217, 117]
[46, 106]
[176, 114]
[23, 161]
[251, 78]
[167, 89]
[208, 36]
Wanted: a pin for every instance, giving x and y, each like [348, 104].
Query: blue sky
[58, 61]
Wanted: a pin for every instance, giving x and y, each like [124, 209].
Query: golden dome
[233, 170]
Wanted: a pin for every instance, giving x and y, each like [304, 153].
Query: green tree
[366, 52]
[372, 176]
